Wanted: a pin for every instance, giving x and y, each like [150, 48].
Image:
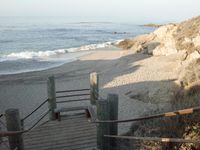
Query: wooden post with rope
[103, 113]
[94, 87]
[13, 123]
[113, 108]
[51, 97]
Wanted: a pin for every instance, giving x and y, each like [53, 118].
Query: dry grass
[190, 76]
[188, 29]
[187, 127]
[126, 44]
[139, 43]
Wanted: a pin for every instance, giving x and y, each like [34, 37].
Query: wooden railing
[106, 115]
[107, 120]
[15, 125]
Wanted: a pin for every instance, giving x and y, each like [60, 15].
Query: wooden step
[59, 110]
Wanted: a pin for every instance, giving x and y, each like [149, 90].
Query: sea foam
[44, 55]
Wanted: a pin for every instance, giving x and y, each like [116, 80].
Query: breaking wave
[40, 55]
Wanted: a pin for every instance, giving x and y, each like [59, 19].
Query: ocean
[39, 43]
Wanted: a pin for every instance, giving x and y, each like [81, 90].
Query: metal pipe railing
[34, 110]
[77, 90]
[74, 100]
[73, 95]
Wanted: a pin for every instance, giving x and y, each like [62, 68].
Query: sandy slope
[143, 82]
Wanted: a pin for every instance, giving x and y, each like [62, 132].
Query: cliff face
[182, 39]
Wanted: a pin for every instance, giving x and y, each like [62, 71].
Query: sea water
[38, 43]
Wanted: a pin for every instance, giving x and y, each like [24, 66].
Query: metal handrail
[74, 100]
[34, 110]
[65, 91]
[73, 95]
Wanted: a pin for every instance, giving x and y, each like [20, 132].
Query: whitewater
[32, 44]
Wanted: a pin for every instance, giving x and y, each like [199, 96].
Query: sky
[135, 11]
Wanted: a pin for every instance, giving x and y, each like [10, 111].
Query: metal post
[13, 124]
[51, 97]
[103, 128]
[113, 107]
[94, 88]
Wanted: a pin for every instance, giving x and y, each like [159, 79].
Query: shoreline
[52, 70]
[123, 72]
[55, 57]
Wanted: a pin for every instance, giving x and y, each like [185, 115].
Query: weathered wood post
[13, 124]
[51, 97]
[1, 139]
[113, 107]
[22, 124]
[94, 88]
[103, 128]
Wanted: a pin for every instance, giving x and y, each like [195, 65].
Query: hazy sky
[137, 11]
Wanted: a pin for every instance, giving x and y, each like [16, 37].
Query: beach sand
[121, 72]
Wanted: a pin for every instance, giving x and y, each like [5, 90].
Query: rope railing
[164, 140]
[11, 133]
[167, 114]
[34, 110]
[73, 95]
[77, 90]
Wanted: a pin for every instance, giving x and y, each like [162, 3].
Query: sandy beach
[122, 72]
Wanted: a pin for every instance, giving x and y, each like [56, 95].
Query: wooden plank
[72, 126]
[63, 127]
[70, 133]
[64, 142]
[61, 138]
[78, 123]
[61, 133]
[71, 109]
[85, 144]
